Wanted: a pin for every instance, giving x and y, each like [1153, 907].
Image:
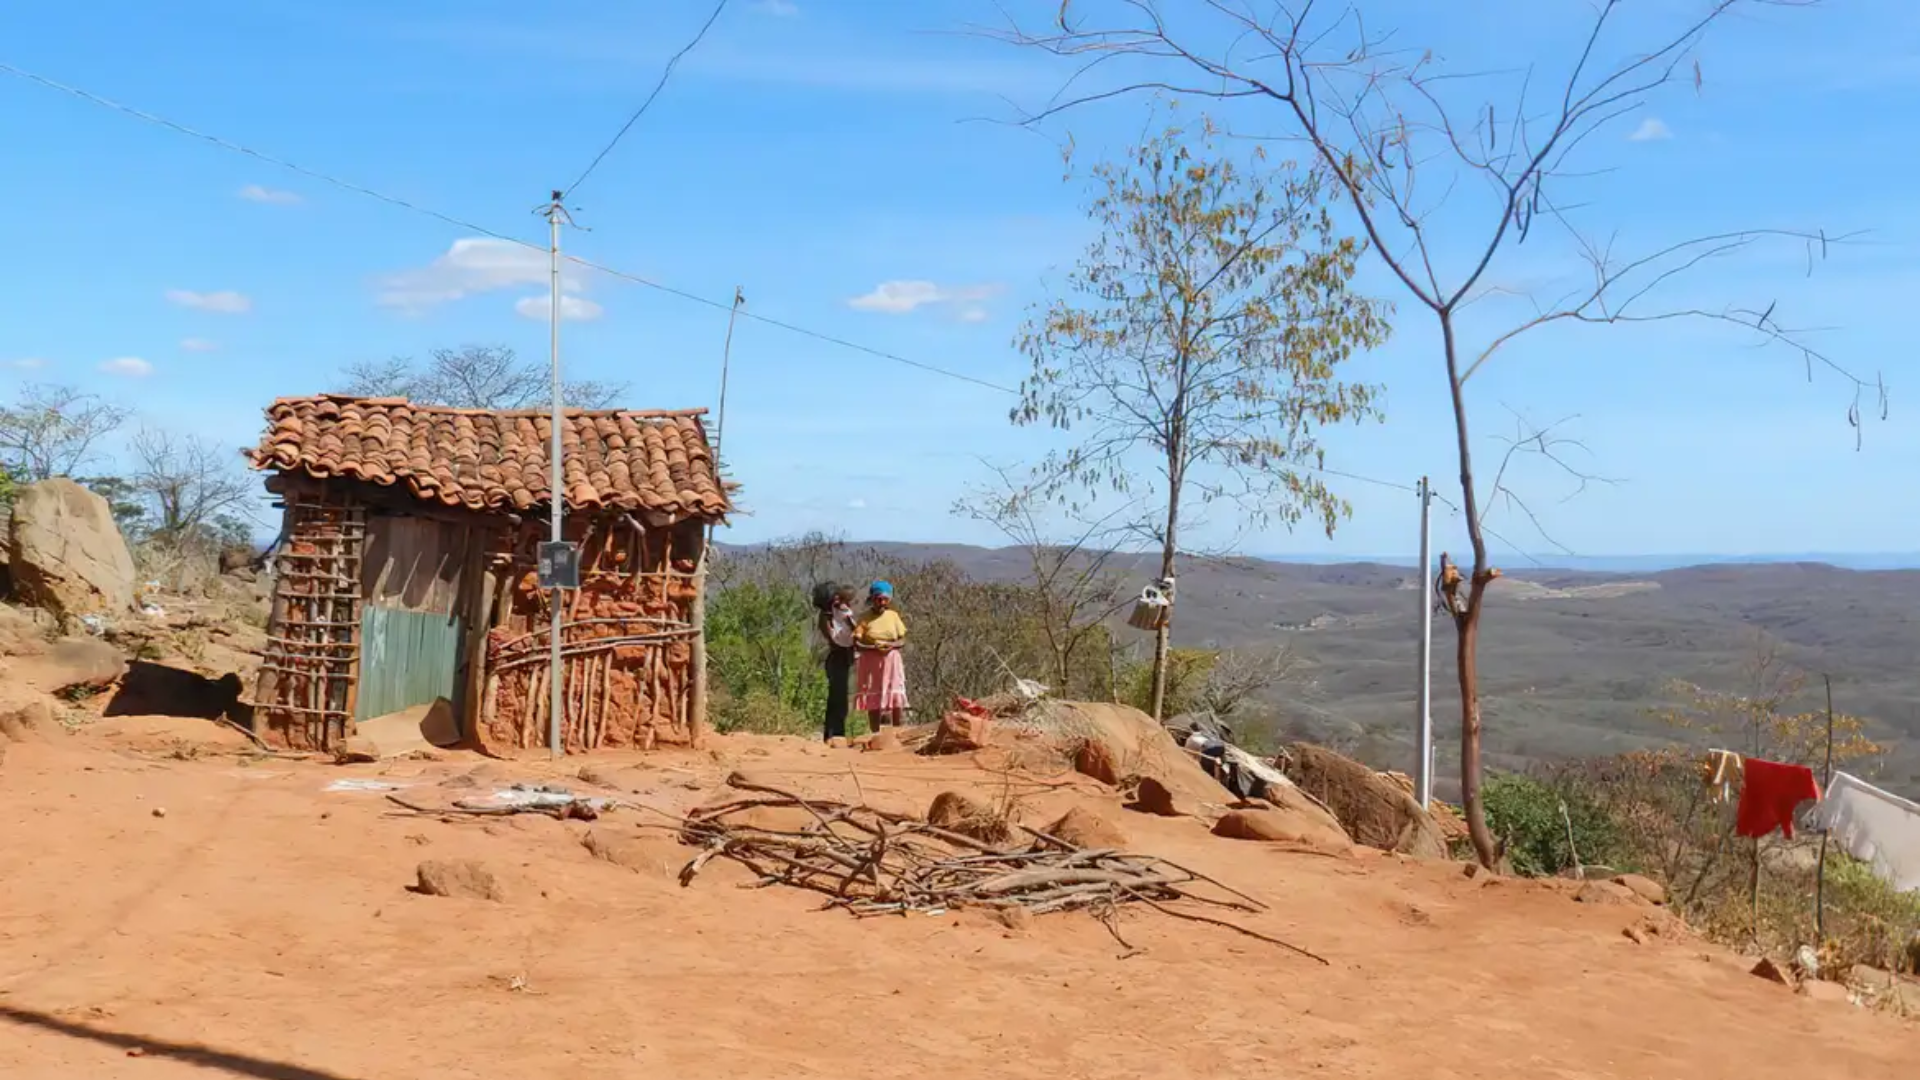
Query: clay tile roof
[480, 460]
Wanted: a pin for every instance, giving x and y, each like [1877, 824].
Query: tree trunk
[1163, 637]
[1467, 662]
[1467, 623]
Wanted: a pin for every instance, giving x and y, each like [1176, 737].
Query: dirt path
[262, 927]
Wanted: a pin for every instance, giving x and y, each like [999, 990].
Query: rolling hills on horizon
[1573, 661]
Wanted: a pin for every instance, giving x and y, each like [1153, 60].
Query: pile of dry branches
[876, 862]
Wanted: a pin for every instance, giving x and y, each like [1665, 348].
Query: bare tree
[1238, 676]
[192, 484]
[473, 377]
[1206, 326]
[54, 431]
[1391, 128]
[1075, 591]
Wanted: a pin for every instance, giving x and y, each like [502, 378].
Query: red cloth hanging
[1770, 795]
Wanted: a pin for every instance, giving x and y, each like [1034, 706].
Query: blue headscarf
[881, 588]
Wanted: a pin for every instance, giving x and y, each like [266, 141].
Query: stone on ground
[356, 749]
[961, 732]
[83, 663]
[1088, 829]
[960, 813]
[1645, 888]
[1154, 797]
[1604, 892]
[466, 879]
[1284, 827]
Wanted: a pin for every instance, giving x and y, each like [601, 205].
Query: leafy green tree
[1205, 329]
[760, 650]
[129, 513]
[1446, 185]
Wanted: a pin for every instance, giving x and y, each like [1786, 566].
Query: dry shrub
[1669, 830]
[183, 569]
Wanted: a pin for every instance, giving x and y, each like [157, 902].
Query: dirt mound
[653, 856]
[168, 733]
[32, 722]
[1116, 744]
[1374, 810]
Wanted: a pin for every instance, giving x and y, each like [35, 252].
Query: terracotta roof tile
[652, 461]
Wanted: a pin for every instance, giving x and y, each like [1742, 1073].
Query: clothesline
[1877, 827]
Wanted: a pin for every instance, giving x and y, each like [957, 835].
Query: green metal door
[406, 658]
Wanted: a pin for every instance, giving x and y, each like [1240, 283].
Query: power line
[1485, 528]
[665, 74]
[792, 328]
[459, 223]
[224, 144]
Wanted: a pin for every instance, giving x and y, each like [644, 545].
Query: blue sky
[813, 152]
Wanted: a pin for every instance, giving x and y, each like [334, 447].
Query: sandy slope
[262, 927]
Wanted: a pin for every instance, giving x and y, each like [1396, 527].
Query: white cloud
[471, 266]
[779, 9]
[1652, 129]
[131, 366]
[572, 308]
[974, 315]
[857, 504]
[26, 363]
[270, 196]
[225, 302]
[198, 344]
[904, 297]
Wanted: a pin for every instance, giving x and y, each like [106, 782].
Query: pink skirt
[882, 681]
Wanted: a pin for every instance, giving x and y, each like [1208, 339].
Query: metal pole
[556, 489]
[1820, 875]
[1423, 768]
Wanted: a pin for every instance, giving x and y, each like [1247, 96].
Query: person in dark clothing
[836, 628]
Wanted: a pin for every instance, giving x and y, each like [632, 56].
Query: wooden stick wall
[628, 640]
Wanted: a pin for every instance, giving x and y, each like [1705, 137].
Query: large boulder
[1374, 810]
[1117, 745]
[65, 554]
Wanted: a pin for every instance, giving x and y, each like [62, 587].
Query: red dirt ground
[263, 927]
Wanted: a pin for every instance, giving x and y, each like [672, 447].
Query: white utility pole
[1423, 765]
[556, 487]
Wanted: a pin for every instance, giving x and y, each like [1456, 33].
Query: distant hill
[1571, 659]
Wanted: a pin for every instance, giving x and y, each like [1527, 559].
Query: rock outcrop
[65, 554]
[1374, 810]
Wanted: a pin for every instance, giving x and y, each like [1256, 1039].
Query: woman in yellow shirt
[881, 671]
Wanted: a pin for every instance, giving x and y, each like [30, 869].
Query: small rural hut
[405, 572]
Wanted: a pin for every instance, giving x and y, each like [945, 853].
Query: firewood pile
[872, 862]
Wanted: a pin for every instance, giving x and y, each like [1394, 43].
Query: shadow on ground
[141, 1046]
[151, 689]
